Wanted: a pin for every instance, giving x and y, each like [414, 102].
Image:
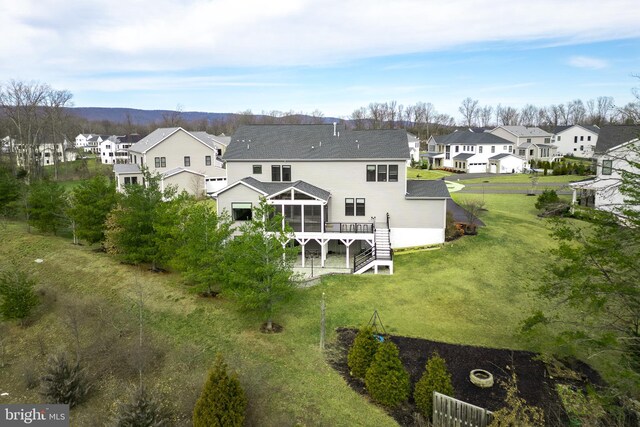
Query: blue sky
[333, 56]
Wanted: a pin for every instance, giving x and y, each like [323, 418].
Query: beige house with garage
[191, 161]
[342, 191]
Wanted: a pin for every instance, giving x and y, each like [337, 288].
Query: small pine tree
[64, 382]
[436, 377]
[222, 402]
[548, 197]
[142, 411]
[17, 297]
[387, 381]
[362, 352]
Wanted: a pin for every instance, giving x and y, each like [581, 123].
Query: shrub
[17, 297]
[387, 381]
[516, 411]
[64, 382]
[548, 197]
[362, 352]
[436, 377]
[222, 402]
[142, 411]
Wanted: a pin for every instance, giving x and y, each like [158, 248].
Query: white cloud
[588, 62]
[49, 36]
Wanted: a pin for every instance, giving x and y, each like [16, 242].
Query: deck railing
[348, 227]
[364, 258]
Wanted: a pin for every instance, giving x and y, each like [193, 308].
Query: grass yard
[470, 291]
[413, 173]
[520, 178]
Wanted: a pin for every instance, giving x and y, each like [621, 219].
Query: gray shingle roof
[315, 142]
[526, 131]
[426, 189]
[614, 135]
[463, 156]
[178, 170]
[126, 168]
[503, 155]
[470, 138]
[211, 140]
[160, 134]
[270, 188]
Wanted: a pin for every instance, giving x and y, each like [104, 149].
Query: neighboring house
[342, 191]
[89, 142]
[473, 152]
[531, 143]
[617, 145]
[414, 149]
[115, 148]
[576, 140]
[46, 153]
[188, 160]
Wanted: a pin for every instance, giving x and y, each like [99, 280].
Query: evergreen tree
[201, 236]
[47, 204]
[10, 191]
[386, 380]
[132, 225]
[17, 297]
[64, 382]
[91, 202]
[222, 402]
[436, 377]
[142, 411]
[362, 352]
[260, 264]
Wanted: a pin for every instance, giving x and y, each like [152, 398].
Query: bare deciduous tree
[469, 110]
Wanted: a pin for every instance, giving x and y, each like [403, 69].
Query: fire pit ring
[481, 378]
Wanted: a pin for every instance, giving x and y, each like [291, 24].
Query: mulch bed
[534, 383]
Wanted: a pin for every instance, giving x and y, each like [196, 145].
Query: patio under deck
[334, 264]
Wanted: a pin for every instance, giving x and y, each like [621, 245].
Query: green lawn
[470, 291]
[524, 178]
[413, 173]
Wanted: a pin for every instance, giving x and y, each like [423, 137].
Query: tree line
[33, 114]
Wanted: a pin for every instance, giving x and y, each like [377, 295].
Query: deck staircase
[380, 255]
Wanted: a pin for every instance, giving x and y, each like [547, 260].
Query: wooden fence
[450, 412]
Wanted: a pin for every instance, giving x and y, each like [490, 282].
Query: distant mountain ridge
[145, 117]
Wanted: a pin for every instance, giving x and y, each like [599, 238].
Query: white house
[473, 152]
[188, 160]
[342, 191]
[576, 140]
[531, 143]
[46, 153]
[115, 148]
[414, 149]
[90, 142]
[616, 146]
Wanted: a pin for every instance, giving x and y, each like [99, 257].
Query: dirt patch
[535, 384]
[275, 328]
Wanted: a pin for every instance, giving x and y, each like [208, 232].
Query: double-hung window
[207, 160]
[281, 173]
[382, 173]
[393, 174]
[360, 207]
[607, 167]
[371, 173]
[257, 169]
[286, 173]
[349, 208]
[187, 161]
